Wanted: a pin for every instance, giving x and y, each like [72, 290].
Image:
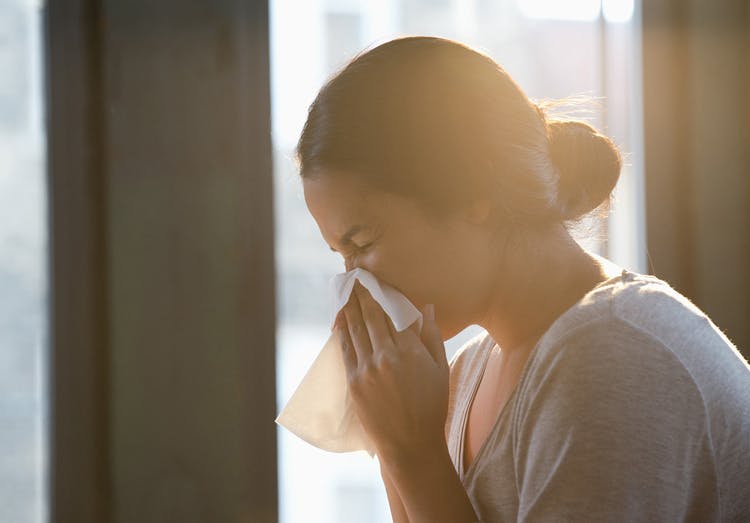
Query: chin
[446, 336]
[449, 330]
[446, 331]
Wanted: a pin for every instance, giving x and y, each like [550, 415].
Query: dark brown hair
[434, 119]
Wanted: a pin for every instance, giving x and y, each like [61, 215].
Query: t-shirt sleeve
[610, 426]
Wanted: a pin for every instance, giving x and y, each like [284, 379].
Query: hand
[398, 381]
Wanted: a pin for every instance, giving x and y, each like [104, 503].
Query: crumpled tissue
[320, 411]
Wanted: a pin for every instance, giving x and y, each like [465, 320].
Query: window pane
[551, 53]
[23, 276]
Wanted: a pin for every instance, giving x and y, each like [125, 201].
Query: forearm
[429, 487]
[398, 512]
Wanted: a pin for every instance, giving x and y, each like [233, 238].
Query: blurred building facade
[23, 279]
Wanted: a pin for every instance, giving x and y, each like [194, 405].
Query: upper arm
[612, 428]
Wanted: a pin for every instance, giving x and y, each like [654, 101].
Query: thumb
[430, 335]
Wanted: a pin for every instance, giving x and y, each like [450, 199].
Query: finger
[391, 328]
[357, 330]
[408, 335]
[376, 320]
[431, 336]
[347, 349]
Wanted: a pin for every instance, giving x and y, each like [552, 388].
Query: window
[588, 48]
[23, 276]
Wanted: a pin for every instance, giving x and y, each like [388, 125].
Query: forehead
[338, 201]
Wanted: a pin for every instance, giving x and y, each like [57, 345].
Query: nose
[349, 262]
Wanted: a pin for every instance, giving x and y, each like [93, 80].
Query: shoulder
[607, 414]
[613, 385]
[618, 358]
[639, 326]
[619, 389]
[608, 362]
[614, 332]
[611, 401]
[644, 301]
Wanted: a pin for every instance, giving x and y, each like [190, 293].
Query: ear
[478, 211]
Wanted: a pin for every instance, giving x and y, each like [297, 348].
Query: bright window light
[578, 10]
[617, 11]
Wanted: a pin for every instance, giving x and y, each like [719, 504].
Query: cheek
[412, 271]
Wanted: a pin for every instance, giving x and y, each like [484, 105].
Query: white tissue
[321, 411]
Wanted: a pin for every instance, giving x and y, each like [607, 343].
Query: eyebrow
[347, 237]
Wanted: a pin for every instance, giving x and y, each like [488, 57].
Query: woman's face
[446, 263]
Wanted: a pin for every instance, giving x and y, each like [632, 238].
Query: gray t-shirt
[633, 406]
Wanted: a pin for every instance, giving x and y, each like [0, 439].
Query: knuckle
[356, 328]
[385, 362]
[380, 340]
[354, 384]
[358, 383]
[368, 374]
[365, 369]
[357, 392]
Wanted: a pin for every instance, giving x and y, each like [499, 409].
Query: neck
[522, 307]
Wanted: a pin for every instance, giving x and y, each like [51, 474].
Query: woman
[595, 393]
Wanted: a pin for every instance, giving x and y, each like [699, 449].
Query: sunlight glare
[618, 11]
[578, 10]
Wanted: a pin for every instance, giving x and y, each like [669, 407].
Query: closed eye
[357, 250]
[363, 248]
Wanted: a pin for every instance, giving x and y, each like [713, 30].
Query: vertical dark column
[171, 187]
[668, 172]
[79, 472]
[696, 79]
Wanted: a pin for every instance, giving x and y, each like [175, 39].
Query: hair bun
[588, 163]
